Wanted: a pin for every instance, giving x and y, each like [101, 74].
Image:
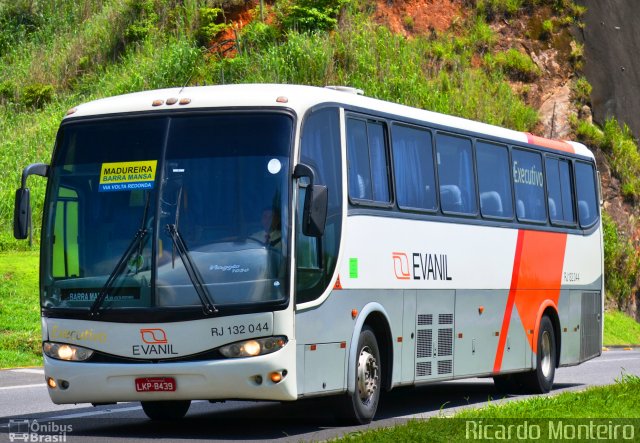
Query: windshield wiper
[137, 240]
[192, 271]
[136, 243]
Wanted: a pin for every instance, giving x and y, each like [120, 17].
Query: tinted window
[560, 191]
[587, 197]
[455, 169]
[367, 157]
[528, 179]
[493, 180]
[320, 149]
[413, 166]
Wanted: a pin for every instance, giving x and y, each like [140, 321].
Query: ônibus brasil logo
[33, 431]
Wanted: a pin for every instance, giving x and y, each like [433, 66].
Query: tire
[540, 380]
[166, 410]
[360, 407]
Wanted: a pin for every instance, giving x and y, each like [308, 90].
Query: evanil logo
[155, 343]
[420, 266]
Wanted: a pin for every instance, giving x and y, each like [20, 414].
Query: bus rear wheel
[361, 406]
[166, 410]
[540, 380]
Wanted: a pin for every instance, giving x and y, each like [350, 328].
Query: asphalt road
[23, 396]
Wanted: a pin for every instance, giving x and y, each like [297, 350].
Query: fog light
[64, 384]
[51, 383]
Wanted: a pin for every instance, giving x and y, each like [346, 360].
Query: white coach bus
[282, 242]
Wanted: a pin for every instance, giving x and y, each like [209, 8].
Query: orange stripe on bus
[558, 145]
[535, 281]
[506, 320]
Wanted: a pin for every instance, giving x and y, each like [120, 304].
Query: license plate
[156, 384]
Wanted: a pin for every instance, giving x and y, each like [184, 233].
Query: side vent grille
[590, 325]
[445, 342]
[445, 367]
[434, 345]
[425, 343]
[423, 369]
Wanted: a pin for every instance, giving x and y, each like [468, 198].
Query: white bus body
[459, 271]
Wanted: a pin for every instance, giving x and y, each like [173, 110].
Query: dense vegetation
[55, 54]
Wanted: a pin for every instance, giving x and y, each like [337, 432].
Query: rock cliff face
[611, 39]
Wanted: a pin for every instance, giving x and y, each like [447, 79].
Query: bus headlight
[253, 347]
[64, 351]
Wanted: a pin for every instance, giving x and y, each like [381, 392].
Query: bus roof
[300, 99]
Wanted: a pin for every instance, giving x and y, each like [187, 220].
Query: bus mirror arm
[22, 209]
[316, 201]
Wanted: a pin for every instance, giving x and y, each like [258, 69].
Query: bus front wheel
[361, 405]
[540, 380]
[166, 410]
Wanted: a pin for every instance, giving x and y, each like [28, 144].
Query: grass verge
[20, 336]
[620, 329]
[600, 405]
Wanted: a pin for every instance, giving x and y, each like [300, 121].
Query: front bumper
[201, 380]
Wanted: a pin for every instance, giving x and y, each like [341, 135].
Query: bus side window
[493, 180]
[560, 191]
[368, 161]
[528, 179]
[586, 190]
[66, 260]
[455, 170]
[413, 166]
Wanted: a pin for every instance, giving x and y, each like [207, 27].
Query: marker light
[63, 351]
[51, 383]
[252, 348]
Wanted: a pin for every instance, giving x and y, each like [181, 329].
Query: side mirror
[315, 211]
[22, 214]
[316, 200]
[22, 209]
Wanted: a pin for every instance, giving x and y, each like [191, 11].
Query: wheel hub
[368, 374]
[546, 354]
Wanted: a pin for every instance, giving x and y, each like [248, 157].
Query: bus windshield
[186, 204]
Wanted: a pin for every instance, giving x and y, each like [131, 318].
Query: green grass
[607, 403]
[620, 329]
[20, 335]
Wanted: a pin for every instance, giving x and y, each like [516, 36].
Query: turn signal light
[51, 383]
